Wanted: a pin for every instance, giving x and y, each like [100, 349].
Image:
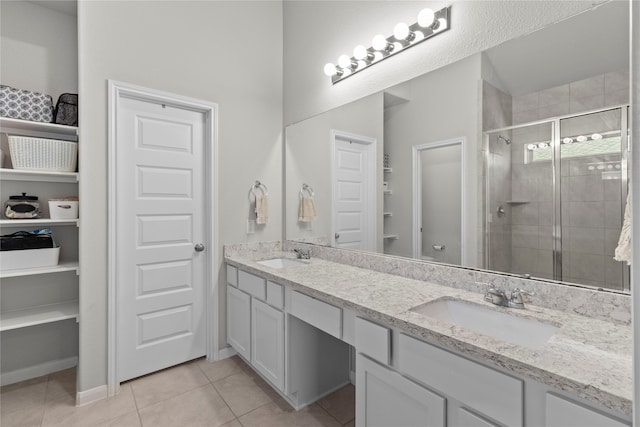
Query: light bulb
[596, 136]
[426, 18]
[543, 145]
[330, 69]
[401, 31]
[442, 24]
[360, 52]
[531, 147]
[581, 138]
[567, 140]
[379, 42]
[344, 61]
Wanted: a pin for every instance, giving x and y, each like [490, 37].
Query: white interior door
[354, 196]
[160, 272]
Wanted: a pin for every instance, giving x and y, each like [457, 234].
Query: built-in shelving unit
[38, 315]
[34, 175]
[36, 222]
[29, 298]
[61, 267]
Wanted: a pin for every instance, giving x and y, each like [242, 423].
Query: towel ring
[306, 188]
[258, 185]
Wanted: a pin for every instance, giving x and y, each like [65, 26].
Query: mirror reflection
[513, 160]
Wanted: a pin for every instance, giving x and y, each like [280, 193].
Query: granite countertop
[587, 357]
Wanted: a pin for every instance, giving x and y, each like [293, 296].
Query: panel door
[160, 280]
[385, 398]
[239, 321]
[267, 342]
[352, 201]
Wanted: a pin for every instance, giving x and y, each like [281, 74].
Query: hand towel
[262, 209]
[307, 209]
[623, 251]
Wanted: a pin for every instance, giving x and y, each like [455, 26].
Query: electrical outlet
[251, 226]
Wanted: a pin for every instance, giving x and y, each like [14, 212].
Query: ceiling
[570, 50]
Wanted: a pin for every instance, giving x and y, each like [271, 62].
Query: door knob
[337, 236]
[199, 247]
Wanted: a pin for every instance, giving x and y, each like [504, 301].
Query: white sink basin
[281, 262]
[498, 323]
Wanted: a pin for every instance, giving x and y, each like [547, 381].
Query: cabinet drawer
[489, 392]
[252, 284]
[317, 313]
[373, 340]
[274, 295]
[232, 275]
[561, 412]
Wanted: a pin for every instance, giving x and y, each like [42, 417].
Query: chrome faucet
[300, 254]
[499, 297]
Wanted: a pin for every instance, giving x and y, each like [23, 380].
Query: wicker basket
[43, 154]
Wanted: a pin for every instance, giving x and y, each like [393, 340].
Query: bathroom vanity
[305, 326]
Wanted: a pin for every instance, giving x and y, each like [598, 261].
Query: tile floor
[225, 393]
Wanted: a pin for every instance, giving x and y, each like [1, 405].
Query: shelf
[516, 202]
[38, 315]
[388, 191]
[36, 222]
[391, 237]
[39, 176]
[38, 129]
[62, 267]
[387, 170]
[387, 213]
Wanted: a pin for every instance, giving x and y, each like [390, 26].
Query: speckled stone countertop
[587, 357]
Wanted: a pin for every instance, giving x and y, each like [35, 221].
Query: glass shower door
[519, 200]
[593, 189]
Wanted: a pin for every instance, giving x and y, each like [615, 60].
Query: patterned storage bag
[25, 105]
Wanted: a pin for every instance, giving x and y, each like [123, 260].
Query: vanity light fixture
[404, 36]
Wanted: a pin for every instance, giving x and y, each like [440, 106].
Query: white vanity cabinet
[239, 321]
[255, 323]
[562, 412]
[385, 398]
[267, 342]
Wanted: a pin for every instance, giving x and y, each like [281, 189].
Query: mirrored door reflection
[593, 192]
[555, 198]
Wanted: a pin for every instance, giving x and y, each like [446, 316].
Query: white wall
[226, 52]
[39, 49]
[317, 32]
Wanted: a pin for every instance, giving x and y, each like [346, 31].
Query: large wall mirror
[512, 160]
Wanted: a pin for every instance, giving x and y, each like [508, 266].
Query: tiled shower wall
[591, 206]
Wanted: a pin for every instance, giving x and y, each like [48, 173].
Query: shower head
[507, 140]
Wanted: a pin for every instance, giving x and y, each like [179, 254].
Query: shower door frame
[556, 184]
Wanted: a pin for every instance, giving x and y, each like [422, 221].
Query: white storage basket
[43, 154]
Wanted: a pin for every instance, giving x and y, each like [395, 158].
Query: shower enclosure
[555, 193]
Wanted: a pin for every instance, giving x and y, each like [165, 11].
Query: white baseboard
[37, 370]
[91, 395]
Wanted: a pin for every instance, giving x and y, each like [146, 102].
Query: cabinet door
[564, 413]
[267, 342]
[385, 398]
[239, 321]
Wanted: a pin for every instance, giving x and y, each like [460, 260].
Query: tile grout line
[219, 394]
